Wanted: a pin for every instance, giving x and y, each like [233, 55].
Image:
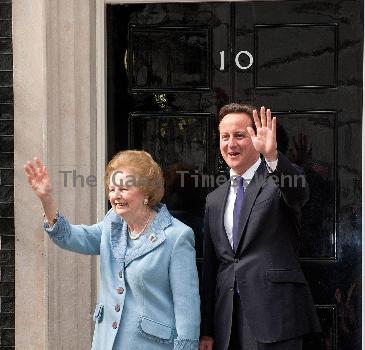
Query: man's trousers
[243, 339]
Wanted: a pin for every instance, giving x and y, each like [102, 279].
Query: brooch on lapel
[152, 238]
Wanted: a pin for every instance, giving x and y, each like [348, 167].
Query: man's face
[235, 143]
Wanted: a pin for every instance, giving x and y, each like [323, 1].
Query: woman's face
[124, 196]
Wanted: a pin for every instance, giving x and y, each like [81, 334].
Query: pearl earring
[145, 201]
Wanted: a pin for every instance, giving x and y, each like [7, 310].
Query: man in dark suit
[254, 294]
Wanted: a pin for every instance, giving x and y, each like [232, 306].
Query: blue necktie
[237, 210]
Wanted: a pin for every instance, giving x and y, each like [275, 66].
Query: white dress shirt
[247, 177]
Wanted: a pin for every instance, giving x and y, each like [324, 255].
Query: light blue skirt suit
[149, 294]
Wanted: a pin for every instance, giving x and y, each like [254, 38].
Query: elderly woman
[148, 298]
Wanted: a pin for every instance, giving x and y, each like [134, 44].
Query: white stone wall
[55, 119]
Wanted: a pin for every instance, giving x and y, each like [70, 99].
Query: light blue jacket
[149, 294]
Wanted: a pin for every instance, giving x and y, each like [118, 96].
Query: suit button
[115, 325]
[236, 261]
[117, 308]
[231, 289]
[120, 274]
[120, 290]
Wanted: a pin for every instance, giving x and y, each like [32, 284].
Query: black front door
[172, 66]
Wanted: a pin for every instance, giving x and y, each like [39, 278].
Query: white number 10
[238, 64]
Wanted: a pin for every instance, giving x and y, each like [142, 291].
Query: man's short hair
[237, 108]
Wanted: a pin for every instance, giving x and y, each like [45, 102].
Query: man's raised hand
[264, 140]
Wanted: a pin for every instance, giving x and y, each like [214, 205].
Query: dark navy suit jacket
[274, 292]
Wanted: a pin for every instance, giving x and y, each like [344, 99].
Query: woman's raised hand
[38, 178]
[41, 185]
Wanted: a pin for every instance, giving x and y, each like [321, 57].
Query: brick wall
[7, 253]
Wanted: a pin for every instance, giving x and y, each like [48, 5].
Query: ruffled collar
[151, 238]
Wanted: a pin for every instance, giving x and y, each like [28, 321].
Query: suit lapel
[118, 239]
[251, 192]
[222, 230]
[151, 239]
